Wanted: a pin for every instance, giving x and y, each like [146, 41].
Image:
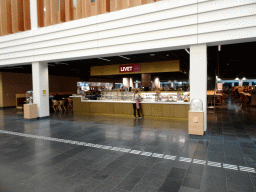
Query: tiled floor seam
[137, 152]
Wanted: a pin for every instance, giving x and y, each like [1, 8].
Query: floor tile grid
[143, 153]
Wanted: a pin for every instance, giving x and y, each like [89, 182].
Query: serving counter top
[146, 102]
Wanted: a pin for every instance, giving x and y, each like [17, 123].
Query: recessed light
[103, 59]
[124, 57]
[152, 54]
[167, 55]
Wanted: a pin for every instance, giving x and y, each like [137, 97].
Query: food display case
[146, 96]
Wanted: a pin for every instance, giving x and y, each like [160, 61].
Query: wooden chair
[55, 105]
[61, 105]
[70, 103]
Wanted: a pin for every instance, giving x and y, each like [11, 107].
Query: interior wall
[19, 83]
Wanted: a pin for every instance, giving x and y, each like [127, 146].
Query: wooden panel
[113, 5]
[62, 11]
[107, 5]
[109, 108]
[127, 109]
[69, 10]
[187, 107]
[168, 110]
[47, 12]
[9, 16]
[6, 20]
[98, 107]
[85, 107]
[179, 111]
[118, 108]
[147, 1]
[157, 110]
[74, 7]
[101, 7]
[196, 123]
[1, 21]
[124, 4]
[77, 104]
[40, 12]
[134, 3]
[17, 16]
[55, 11]
[93, 8]
[26, 14]
[86, 8]
[146, 109]
[79, 9]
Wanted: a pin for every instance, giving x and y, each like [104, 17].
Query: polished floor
[104, 154]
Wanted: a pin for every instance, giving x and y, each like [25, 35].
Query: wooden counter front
[149, 110]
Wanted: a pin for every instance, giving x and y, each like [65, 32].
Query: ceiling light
[237, 79]
[152, 54]
[103, 59]
[219, 47]
[124, 57]
[167, 55]
[244, 78]
[187, 51]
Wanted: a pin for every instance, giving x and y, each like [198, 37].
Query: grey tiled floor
[32, 164]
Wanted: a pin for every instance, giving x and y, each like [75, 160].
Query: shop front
[158, 99]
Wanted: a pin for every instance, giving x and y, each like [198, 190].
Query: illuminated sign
[129, 68]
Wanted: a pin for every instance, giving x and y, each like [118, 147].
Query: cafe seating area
[242, 94]
[66, 104]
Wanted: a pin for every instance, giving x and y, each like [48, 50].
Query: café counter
[170, 110]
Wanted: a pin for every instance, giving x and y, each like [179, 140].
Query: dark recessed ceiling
[235, 60]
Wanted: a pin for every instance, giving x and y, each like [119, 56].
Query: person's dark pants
[134, 110]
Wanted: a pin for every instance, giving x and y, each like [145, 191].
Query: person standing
[136, 104]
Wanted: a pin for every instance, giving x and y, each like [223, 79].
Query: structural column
[131, 82]
[33, 14]
[126, 82]
[41, 88]
[250, 83]
[240, 83]
[233, 84]
[198, 76]
[156, 83]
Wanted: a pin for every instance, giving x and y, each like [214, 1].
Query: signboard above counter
[153, 67]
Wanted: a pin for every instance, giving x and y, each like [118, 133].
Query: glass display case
[111, 96]
[146, 96]
[29, 97]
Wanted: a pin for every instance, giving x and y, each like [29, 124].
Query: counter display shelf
[146, 96]
[120, 103]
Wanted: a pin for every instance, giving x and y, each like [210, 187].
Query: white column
[41, 88]
[131, 82]
[250, 83]
[198, 76]
[172, 84]
[240, 83]
[233, 84]
[126, 82]
[33, 14]
[156, 82]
